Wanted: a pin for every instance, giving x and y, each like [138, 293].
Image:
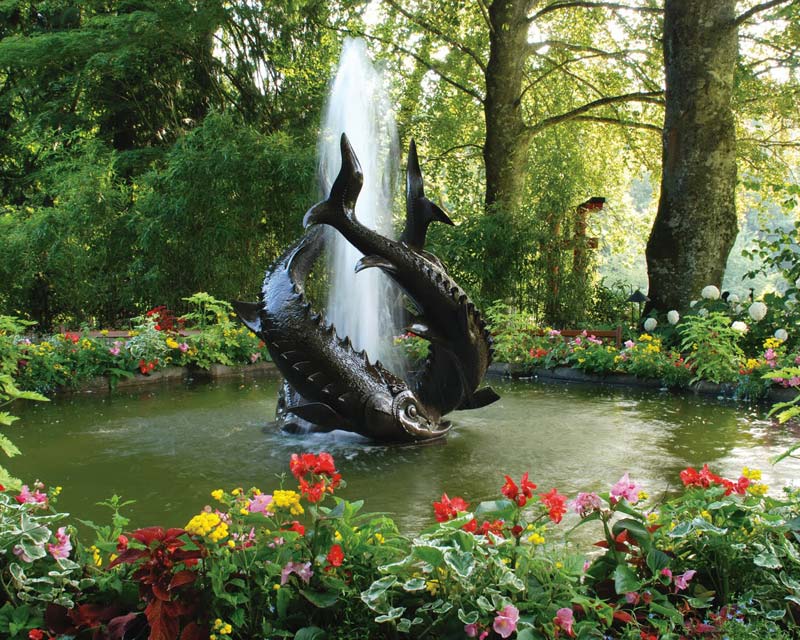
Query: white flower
[673, 317]
[702, 313]
[650, 324]
[757, 311]
[739, 326]
[692, 303]
[733, 299]
[782, 335]
[710, 292]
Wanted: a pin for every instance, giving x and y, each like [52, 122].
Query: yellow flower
[208, 525]
[104, 332]
[751, 474]
[287, 500]
[244, 511]
[757, 489]
[276, 586]
[772, 343]
[172, 343]
[112, 557]
[337, 536]
[217, 494]
[236, 492]
[643, 495]
[55, 492]
[652, 518]
[706, 515]
[559, 565]
[432, 586]
[98, 561]
[231, 544]
[535, 538]
[379, 538]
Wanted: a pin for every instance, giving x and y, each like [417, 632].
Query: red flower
[448, 509]
[312, 492]
[36, 634]
[324, 465]
[555, 503]
[297, 528]
[471, 526]
[510, 489]
[516, 531]
[495, 527]
[122, 543]
[300, 465]
[335, 557]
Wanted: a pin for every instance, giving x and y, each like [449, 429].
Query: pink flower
[555, 332]
[254, 357]
[594, 340]
[260, 504]
[667, 573]
[629, 343]
[632, 598]
[585, 503]
[114, 351]
[302, 571]
[61, 549]
[183, 347]
[471, 630]
[27, 497]
[627, 489]
[506, 621]
[565, 619]
[682, 581]
[577, 339]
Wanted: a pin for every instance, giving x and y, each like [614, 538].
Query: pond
[167, 448]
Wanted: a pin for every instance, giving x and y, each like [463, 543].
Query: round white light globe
[782, 335]
[710, 292]
[757, 311]
[650, 324]
[739, 326]
[673, 317]
[733, 299]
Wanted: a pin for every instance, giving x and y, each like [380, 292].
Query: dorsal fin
[249, 313]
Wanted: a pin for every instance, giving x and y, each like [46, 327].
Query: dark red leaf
[160, 593]
[181, 578]
[57, 619]
[623, 616]
[129, 556]
[163, 626]
[194, 631]
[125, 626]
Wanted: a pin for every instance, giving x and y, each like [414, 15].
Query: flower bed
[299, 562]
[157, 343]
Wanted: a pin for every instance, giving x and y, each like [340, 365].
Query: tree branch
[653, 97]
[590, 5]
[426, 63]
[620, 122]
[438, 32]
[469, 145]
[757, 9]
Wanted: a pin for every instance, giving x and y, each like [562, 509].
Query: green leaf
[430, 554]
[667, 610]
[6, 419]
[414, 584]
[496, 509]
[625, 580]
[468, 618]
[463, 563]
[393, 614]
[657, 560]
[283, 600]
[776, 614]
[310, 633]
[767, 560]
[320, 599]
[378, 588]
[635, 528]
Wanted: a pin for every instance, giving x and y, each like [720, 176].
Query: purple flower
[585, 503]
[627, 489]
[682, 581]
[302, 571]
[183, 347]
[471, 630]
[61, 549]
[629, 343]
[506, 621]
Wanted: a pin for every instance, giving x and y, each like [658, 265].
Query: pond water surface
[167, 448]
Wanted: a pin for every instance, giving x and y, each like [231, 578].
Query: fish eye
[411, 411]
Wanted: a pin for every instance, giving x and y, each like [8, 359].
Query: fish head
[386, 412]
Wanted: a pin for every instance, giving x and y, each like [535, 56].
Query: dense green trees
[151, 148]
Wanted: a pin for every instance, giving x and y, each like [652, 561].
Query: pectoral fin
[367, 262]
[249, 313]
[440, 216]
[419, 328]
[481, 398]
[318, 413]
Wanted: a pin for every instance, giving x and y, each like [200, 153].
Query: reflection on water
[168, 448]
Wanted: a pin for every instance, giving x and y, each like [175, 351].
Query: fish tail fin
[343, 194]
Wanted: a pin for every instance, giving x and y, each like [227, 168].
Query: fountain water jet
[362, 306]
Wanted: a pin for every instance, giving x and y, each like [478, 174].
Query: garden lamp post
[638, 298]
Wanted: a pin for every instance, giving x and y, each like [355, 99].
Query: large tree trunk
[505, 150]
[695, 226]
